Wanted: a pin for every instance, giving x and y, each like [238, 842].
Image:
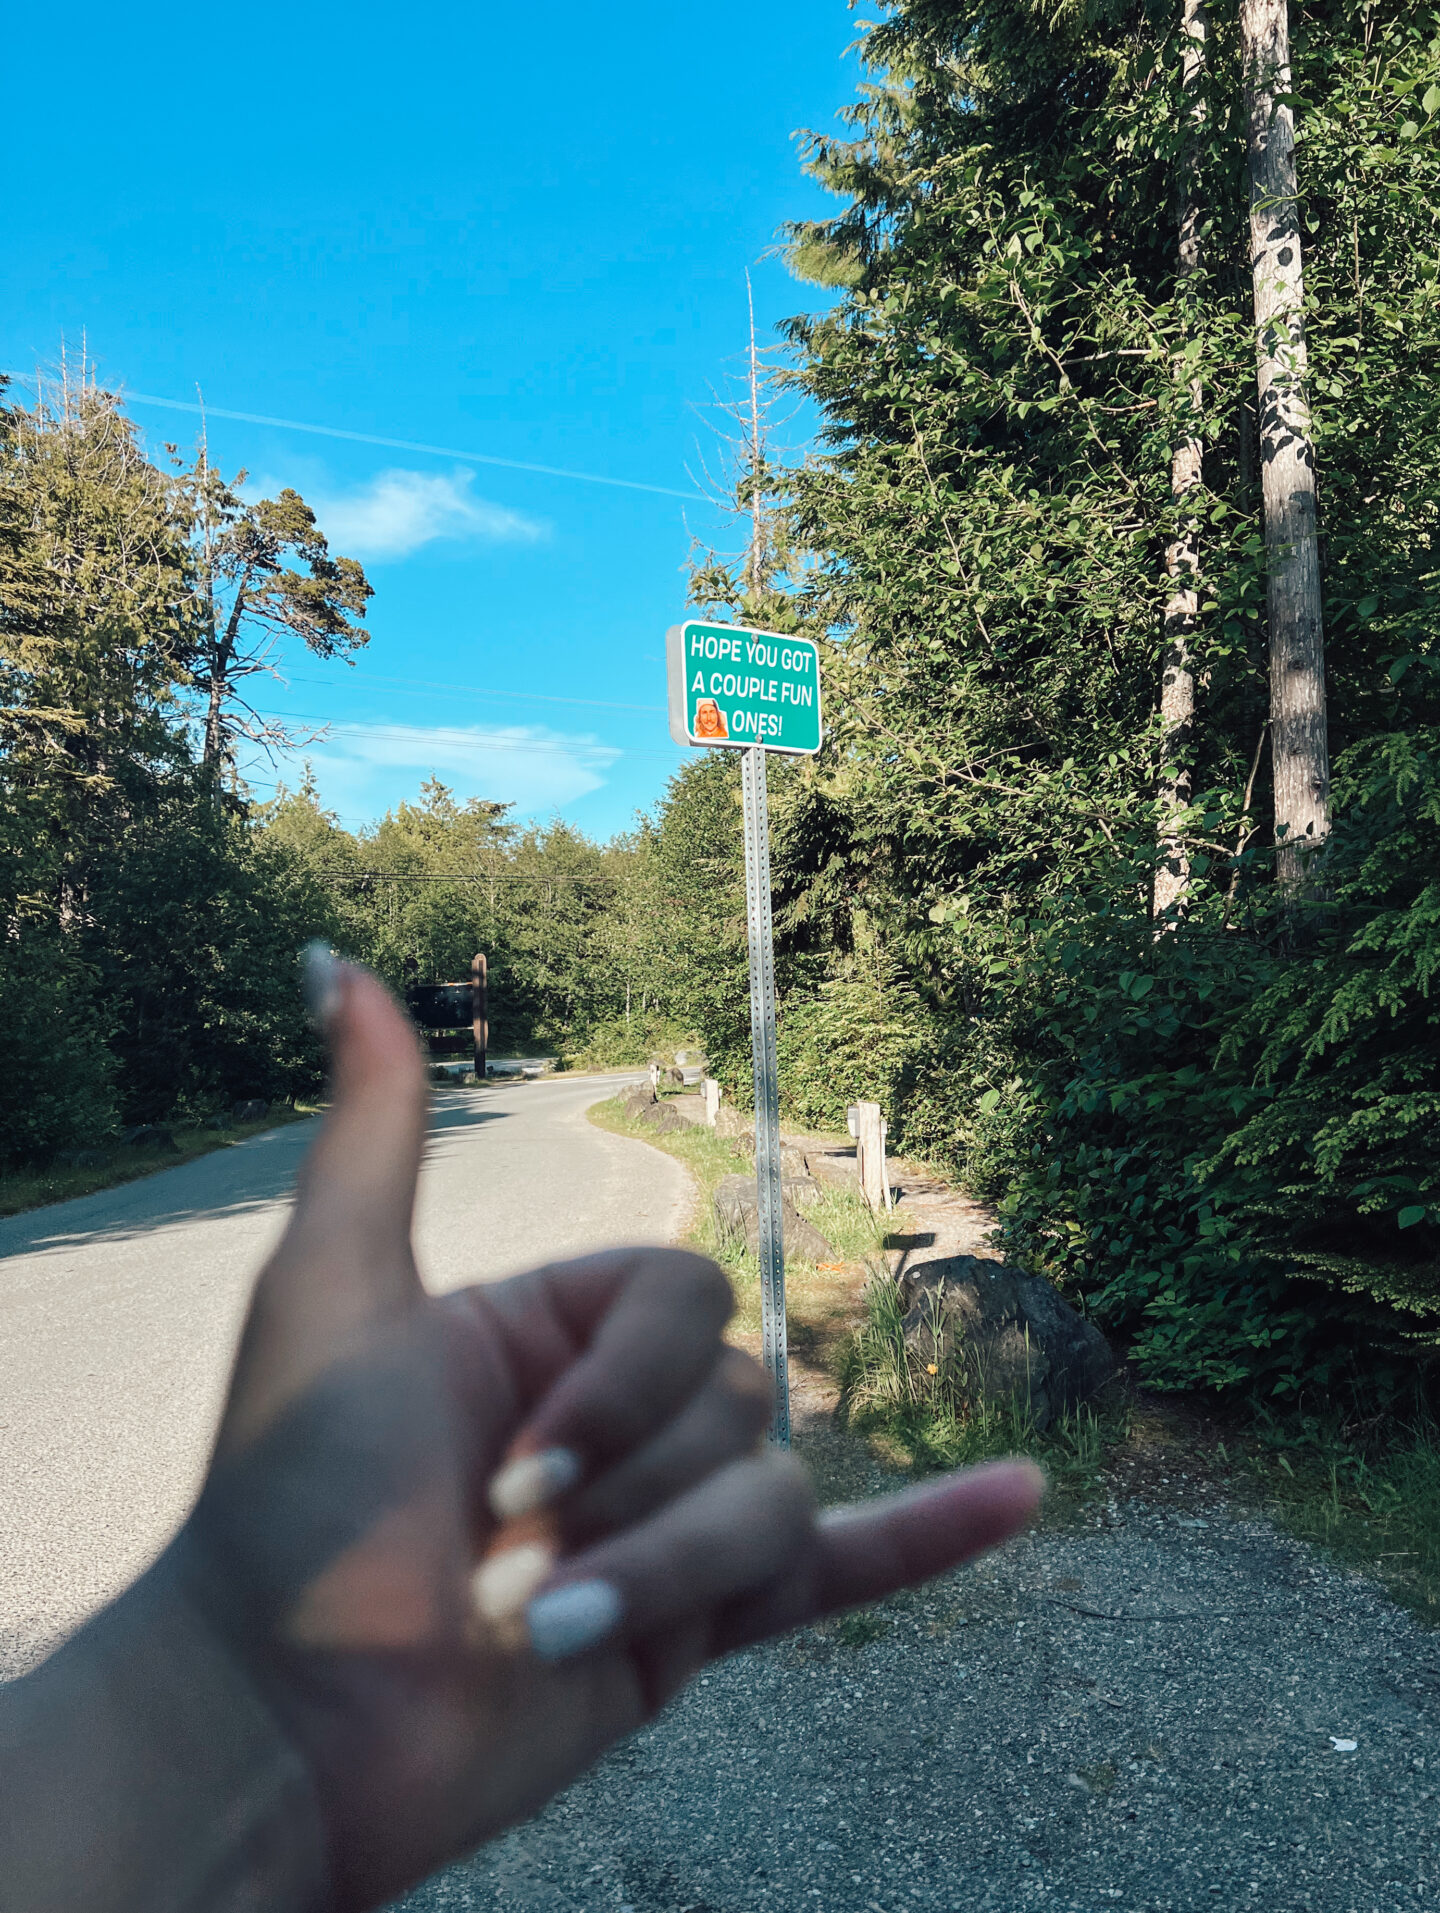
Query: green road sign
[729, 686]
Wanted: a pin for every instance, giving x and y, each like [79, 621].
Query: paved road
[119, 1313]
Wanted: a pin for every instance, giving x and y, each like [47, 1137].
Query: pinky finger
[873, 1548]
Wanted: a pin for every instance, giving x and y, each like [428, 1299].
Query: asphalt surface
[1136, 1715]
[119, 1314]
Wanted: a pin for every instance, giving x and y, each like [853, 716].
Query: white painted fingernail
[502, 1585]
[533, 1481]
[320, 981]
[567, 1620]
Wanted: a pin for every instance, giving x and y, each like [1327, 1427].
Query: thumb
[344, 1264]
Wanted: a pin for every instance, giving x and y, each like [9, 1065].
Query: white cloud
[363, 770]
[398, 511]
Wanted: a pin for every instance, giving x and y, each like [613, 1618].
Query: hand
[371, 1433]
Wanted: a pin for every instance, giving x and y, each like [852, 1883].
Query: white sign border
[675, 684]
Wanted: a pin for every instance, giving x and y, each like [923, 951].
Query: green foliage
[1218, 1138]
[1371, 1502]
[565, 923]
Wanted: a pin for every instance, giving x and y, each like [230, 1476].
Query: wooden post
[480, 1010]
[710, 1100]
[867, 1126]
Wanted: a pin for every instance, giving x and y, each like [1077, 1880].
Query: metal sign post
[770, 1209]
[755, 691]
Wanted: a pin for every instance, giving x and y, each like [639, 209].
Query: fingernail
[320, 981]
[502, 1585]
[533, 1481]
[567, 1620]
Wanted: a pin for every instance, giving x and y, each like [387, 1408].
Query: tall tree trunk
[1182, 554]
[1299, 745]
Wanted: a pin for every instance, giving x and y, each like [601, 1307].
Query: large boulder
[663, 1117]
[737, 1215]
[638, 1098]
[1009, 1335]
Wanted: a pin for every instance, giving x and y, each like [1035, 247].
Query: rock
[729, 1122]
[675, 1078]
[835, 1167]
[149, 1136]
[638, 1098]
[736, 1203]
[803, 1191]
[251, 1112]
[662, 1117]
[1009, 1334]
[792, 1161]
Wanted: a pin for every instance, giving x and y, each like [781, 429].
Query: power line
[477, 690]
[391, 444]
[451, 735]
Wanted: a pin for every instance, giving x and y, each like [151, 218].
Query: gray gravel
[1133, 1714]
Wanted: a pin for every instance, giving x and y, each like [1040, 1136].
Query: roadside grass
[23, 1189]
[925, 1417]
[819, 1297]
[1373, 1504]
[844, 1319]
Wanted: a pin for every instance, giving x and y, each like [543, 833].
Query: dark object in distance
[453, 1017]
[1007, 1335]
[251, 1112]
[80, 1158]
[149, 1136]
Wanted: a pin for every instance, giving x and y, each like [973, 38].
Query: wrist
[140, 1768]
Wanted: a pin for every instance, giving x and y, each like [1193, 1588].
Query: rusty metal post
[480, 985]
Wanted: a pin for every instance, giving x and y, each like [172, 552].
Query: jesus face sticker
[710, 719]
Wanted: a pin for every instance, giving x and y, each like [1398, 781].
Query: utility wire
[391, 444]
[456, 734]
[477, 690]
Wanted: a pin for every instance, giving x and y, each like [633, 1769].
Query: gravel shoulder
[1135, 1713]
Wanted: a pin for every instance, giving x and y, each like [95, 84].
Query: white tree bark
[1298, 736]
[1182, 554]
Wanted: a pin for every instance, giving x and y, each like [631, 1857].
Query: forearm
[141, 1772]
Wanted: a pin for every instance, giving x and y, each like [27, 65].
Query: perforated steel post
[767, 1089]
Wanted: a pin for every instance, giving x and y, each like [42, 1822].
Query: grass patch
[906, 1422]
[860, 1628]
[1374, 1505]
[819, 1298]
[23, 1189]
[923, 1417]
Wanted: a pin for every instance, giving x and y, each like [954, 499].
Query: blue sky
[521, 233]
